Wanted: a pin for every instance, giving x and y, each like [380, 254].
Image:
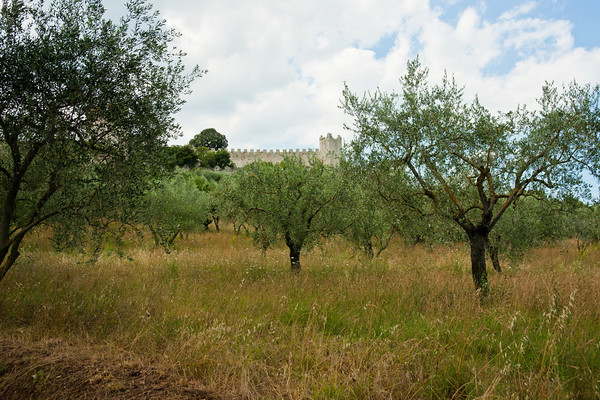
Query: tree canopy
[209, 138]
[181, 156]
[176, 205]
[287, 200]
[86, 104]
[210, 159]
[458, 161]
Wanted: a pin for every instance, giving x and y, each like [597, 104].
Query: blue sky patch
[384, 45]
[583, 14]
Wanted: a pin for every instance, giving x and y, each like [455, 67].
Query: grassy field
[405, 326]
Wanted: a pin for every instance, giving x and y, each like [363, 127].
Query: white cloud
[519, 10]
[276, 68]
[544, 51]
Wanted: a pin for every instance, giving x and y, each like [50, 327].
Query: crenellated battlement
[329, 151]
[276, 151]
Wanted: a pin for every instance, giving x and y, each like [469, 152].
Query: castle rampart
[329, 151]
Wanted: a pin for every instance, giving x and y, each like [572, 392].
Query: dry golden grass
[406, 326]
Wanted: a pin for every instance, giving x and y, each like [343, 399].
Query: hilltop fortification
[329, 152]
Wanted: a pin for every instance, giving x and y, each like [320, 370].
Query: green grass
[408, 325]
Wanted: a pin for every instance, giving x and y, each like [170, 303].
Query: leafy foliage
[176, 206]
[459, 162]
[529, 223]
[181, 156]
[86, 107]
[287, 201]
[582, 223]
[208, 158]
[223, 159]
[369, 221]
[209, 138]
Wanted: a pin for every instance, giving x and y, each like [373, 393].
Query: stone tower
[330, 149]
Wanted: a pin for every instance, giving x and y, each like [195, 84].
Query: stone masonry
[329, 152]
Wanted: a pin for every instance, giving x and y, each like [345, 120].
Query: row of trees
[425, 153]
[86, 109]
[298, 204]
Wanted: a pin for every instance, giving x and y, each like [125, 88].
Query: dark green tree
[206, 157]
[181, 156]
[463, 164]
[223, 159]
[86, 106]
[209, 138]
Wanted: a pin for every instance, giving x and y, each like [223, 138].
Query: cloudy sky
[276, 68]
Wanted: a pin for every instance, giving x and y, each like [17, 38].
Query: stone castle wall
[329, 151]
[244, 157]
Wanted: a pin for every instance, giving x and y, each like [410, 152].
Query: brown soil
[58, 370]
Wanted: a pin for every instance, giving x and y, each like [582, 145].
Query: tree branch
[442, 181]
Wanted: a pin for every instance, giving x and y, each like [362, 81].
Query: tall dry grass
[406, 326]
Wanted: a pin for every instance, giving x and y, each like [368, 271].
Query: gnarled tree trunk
[295, 259]
[295, 248]
[478, 240]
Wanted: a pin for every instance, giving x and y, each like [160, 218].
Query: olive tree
[535, 220]
[231, 204]
[370, 224]
[86, 106]
[582, 222]
[176, 205]
[462, 162]
[369, 221]
[386, 188]
[287, 201]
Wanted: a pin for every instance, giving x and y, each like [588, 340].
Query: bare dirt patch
[54, 369]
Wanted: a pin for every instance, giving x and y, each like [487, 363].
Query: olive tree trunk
[295, 249]
[295, 259]
[478, 241]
